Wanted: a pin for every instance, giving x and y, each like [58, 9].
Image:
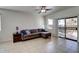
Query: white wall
[54, 28]
[65, 13]
[11, 19]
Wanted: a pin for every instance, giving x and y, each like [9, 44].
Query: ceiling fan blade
[48, 9]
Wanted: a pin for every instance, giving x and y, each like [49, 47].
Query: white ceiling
[32, 9]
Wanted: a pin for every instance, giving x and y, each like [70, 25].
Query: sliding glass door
[61, 28]
[67, 28]
[71, 28]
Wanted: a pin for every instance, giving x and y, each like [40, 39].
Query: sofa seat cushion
[44, 32]
[33, 35]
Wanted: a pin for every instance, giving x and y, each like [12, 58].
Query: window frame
[50, 24]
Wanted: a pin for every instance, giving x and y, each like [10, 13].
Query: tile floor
[40, 45]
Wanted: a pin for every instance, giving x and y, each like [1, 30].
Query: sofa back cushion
[41, 30]
[33, 30]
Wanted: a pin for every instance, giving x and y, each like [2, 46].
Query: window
[0, 23]
[61, 23]
[50, 23]
[71, 22]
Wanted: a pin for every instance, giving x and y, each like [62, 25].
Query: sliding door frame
[65, 26]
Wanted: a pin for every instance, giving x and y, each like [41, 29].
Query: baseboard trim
[68, 39]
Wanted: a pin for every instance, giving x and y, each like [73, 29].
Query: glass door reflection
[71, 28]
[61, 28]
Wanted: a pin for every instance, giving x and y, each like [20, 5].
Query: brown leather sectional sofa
[34, 33]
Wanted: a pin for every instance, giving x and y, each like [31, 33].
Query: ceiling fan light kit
[43, 11]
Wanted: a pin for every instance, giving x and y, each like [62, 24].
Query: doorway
[67, 28]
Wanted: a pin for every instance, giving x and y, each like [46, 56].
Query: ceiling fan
[43, 9]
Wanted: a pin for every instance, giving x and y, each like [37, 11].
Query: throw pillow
[28, 32]
[23, 32]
